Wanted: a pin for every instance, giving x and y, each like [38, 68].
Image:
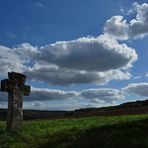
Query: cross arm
[6, 84]
[26, 90]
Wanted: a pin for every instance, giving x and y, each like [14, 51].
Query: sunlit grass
[64, 132]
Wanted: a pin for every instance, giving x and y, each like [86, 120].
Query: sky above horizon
[76, 53]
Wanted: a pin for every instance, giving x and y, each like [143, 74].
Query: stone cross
[16, 88]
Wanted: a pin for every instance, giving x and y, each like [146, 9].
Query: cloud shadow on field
[129, 134]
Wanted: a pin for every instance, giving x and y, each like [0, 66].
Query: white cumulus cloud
[85, 60]
[123, 29]
[140, 89]
[44, 94]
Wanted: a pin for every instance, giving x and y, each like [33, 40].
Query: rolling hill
[129, 108]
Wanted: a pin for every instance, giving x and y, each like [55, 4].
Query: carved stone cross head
[15, 81]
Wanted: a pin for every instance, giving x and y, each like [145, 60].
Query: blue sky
[46, 21]
[76, 53]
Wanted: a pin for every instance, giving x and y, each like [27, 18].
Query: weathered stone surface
[16, 88]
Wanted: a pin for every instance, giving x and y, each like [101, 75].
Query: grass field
[130, 131]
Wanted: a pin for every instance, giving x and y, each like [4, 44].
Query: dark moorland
[130, 108]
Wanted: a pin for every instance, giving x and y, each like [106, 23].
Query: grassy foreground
[130, 131]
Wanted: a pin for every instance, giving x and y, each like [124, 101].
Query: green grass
[104, 132]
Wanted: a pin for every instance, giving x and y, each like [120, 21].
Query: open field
[106, 132]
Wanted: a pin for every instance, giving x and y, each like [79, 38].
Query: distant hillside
[138, 107]
[36, 114]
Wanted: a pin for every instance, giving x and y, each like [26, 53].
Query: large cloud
[96, 54]
[140, 89]
[120, 28]
[84, 60]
